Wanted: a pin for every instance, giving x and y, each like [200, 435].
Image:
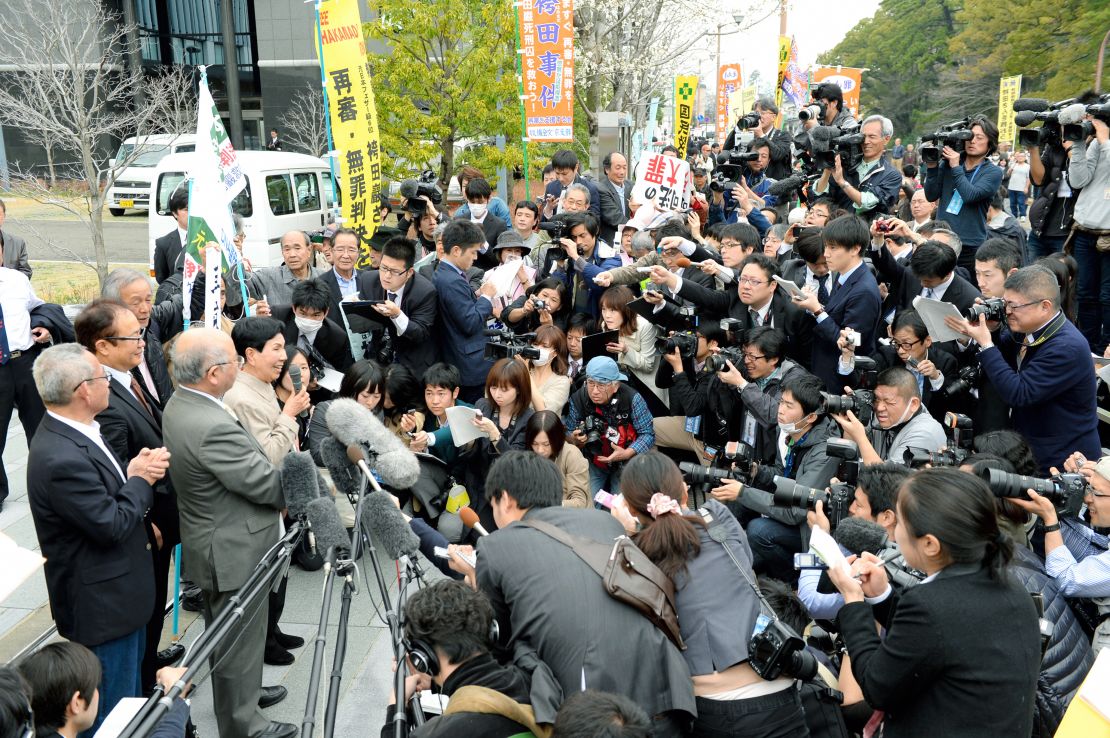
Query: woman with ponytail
[716, 604]
[962, 650]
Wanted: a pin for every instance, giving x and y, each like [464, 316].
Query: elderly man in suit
[159, 323]
[276, 283]
[539, 589]
[614, 192]
[89, 511]
[229, 497]
[131, 422]
[13, 249]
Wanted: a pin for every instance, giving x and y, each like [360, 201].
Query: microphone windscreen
[468, 517]
[821, 135]
[298, 482]
[351, 423]
[343, 475]
[382, 518]
[683, 262]
[859, 535]
[1024, 118]
[1035, 104]
[1072, 114]
[784, 187]
[326, 526]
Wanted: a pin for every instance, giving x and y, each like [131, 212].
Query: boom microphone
[1073, 114]
[353, 424]
[1024, 118]
[343, 475]
[300, 484]
[784, 187]
[330, 533]
[295, 378]
[1032, 104]
[382, 518]
[859, 535]
[470, 520]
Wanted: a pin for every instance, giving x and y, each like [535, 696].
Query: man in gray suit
[13, 249]
[546, 598]
[229, 499]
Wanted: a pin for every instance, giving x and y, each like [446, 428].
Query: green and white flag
[216, 178]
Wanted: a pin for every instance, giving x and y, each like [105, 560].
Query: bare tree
[303, 121]
[71, 90]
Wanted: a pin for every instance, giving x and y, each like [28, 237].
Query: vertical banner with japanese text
[850, 79]
[685, 91]
[354, 117]
[663, 181]
[784, 60]
[729, 78]
[1009, 89]
[794, 82]
[547, 41]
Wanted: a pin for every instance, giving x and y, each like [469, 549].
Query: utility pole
[231, 74]
[1101, 59]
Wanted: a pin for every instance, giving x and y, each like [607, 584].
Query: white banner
[663, 180]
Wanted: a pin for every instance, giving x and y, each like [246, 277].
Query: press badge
[956, 204]
[693, 425]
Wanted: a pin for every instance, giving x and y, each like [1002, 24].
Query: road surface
[126, 238]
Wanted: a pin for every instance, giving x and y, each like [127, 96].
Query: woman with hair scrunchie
[962, 649]
[716, 606]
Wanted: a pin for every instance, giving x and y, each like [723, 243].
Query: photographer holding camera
[1075, 556]
[766, 112]
[965, 184]
[872, 186]
[715, 600]
[969, 622]
[901, 421]
[1034, 368]
[1090, 241]
[581, 262]
[827, 108]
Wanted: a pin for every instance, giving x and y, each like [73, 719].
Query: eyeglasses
[598, 384]
[730, 244]
[1011, 307]
[669, 252]
[392, 272]
[904, 345]
[125, 338]
[753, 357]
[752, 282]
[103, 376]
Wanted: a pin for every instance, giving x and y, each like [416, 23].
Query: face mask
[545, 357]
[789, 428]
[478, 211]
[905, 413]
[307, 325]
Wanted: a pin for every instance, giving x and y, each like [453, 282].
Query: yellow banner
[354, 118]
[784, 60]
[685, 91]
[1009, 89]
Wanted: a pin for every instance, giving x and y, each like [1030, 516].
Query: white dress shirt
[92, 432]
[401, 322]
[17, 299]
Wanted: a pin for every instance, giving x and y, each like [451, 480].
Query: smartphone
[606, 499]
[809, 561]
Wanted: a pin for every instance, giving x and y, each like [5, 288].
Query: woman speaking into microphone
[962, 649]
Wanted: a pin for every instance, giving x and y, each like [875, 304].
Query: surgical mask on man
[789, 428]
[545, 357]
[478, 210]
[307, 325]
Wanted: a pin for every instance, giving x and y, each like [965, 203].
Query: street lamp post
[737, 17]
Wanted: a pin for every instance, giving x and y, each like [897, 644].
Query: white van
[284, 192]
[131, 190]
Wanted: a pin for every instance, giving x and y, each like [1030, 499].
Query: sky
[817, 26]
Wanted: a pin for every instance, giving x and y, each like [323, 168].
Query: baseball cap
[604, 369]
[1103, 467]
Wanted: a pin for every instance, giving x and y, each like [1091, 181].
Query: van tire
[116, 212]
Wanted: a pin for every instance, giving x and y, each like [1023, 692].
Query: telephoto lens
[1061, 489]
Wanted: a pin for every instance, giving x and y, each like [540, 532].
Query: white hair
[884, 123]
[577, 187]
[59, 370]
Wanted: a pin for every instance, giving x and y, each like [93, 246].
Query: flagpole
[523, 112]
[327, 119]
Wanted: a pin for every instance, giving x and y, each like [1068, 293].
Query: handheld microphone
[331, 534]
[859, 535]
[300, 486]
[352, 424]
[1024, 118]
[470, 520]
[388, 525]
[1031, 104]
[295, 378]
[683, 262]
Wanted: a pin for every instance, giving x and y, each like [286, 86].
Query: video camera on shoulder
[954, 135]
[506, 345]
[730, 168]
[1064, 491]
[412, 190]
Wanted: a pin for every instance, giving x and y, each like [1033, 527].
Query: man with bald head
[276, 283]
[229, 498]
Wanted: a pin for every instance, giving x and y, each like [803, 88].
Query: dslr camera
[776, 650]
[506, 345]
[861, 402]
[816, 110]
[1065, 491]
[994, 308]
[836, 500]
[739, 470]
[966, 379]
[593, 428]
[685, 341]
[426, 185]
[954, 135]
[958, 428]
[716, 362]
[748, 120]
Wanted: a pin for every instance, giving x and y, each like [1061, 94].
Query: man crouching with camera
[900, 420]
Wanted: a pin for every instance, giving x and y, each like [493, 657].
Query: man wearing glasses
[871, 187]
[89, 507]
[1040, 368]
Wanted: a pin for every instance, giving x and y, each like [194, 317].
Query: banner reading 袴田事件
[354, 118]
[547, 56]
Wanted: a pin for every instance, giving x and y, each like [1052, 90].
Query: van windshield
[149, 156]
[170, 181]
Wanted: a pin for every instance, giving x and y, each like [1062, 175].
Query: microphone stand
[318, 650]
[258, 583]
[350, 586]
[410, 572]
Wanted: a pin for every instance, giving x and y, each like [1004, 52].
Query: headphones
[423, 656]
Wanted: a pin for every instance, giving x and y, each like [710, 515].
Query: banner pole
[523, 111]
[327, 116]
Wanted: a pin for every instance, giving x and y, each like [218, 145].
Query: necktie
[756, 322]
[148, 379]
[1023, 350]
[392, 297]
[930, 294]
[5, 352]
[138, 392]
[822, 289]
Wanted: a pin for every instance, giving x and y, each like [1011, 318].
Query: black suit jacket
[331, 340]
[416, 348]
[854, 304]
[904, 286]
[960, 658]
[167, 249]
[89, 524]
[332, 283]
[612, 215]
[128, 428]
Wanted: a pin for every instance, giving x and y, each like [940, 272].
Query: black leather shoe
[271, 696]
[170, 656]
[279, 730]
[277, 656]
[192, 600]
[287, 640]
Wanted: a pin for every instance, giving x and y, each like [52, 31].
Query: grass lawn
[69, 283]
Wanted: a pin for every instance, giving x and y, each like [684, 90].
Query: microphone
[300, 486]
[388, 525]
[470, 520]
[334, 456]
[324, 519]
[784, 187]
[1032, 104]
[859, 535]
[822, 135]
[1024, 118]
[352, 424]
[683, 262]
[295, 378]
[1073, 114]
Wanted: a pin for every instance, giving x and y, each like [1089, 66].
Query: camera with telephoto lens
[836, 500]
[967, 379]
[1064, 491]
[861, 402]
[814, 111]
[848, 147]
[716, 362]
[994, 308]
[593, 428]
[697, 475]
[775, 650]
[413, 189]
[506, 345]
[748, 120]
[954, 135]
[685, 341]
[919, 458]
